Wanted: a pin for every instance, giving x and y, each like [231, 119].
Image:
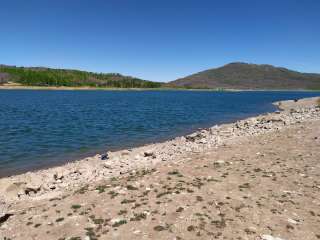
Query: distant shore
[20, 87]
[86, 88]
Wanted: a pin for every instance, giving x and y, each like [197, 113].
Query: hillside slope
[249, 76]
[69, 78]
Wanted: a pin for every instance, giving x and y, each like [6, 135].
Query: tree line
[72, 78]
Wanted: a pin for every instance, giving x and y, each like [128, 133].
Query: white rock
[107, 165]
[219, 162]
[290, 220]
[269, 237]
[116, 220]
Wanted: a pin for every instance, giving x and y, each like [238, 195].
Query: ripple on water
[44, 128]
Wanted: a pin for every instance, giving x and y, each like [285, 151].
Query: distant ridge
[41, 76]
[239, 75]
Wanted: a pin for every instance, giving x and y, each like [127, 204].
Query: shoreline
[111, 164]
[124, 148]
[138, 145]
[86, 88]
[254, 178]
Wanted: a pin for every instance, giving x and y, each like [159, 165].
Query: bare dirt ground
[253, 187]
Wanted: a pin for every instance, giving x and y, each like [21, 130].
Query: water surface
[41, 128]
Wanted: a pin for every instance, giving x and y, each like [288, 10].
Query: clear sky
[159, 40]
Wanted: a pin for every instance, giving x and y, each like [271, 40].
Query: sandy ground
[263, 186]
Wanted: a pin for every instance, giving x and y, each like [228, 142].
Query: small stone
[219, 162]
[290, 220]
[107, 165]
[269, 237]
[115, 220]
[58, 176]
[149, 154]
[4, 214]
[104, 156]
[194, 136]
[32, 189]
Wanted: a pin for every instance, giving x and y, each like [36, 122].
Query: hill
[38, 76]
[249, 76]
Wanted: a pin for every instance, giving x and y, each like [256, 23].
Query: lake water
[43, 128]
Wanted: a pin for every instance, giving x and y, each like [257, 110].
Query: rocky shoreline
[54, 182]
[112, 164]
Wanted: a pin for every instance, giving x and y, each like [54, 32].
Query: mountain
[39, 76]
[249, 76]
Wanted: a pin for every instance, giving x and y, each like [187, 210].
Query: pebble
[269, 237]
[290, 220]
[137, 232]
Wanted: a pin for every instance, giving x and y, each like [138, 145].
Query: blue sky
[160, 40]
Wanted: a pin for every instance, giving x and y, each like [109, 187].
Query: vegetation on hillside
[230, 76]
[249, 76]
[70, 78]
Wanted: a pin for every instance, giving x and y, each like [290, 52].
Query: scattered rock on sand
[268, 169]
